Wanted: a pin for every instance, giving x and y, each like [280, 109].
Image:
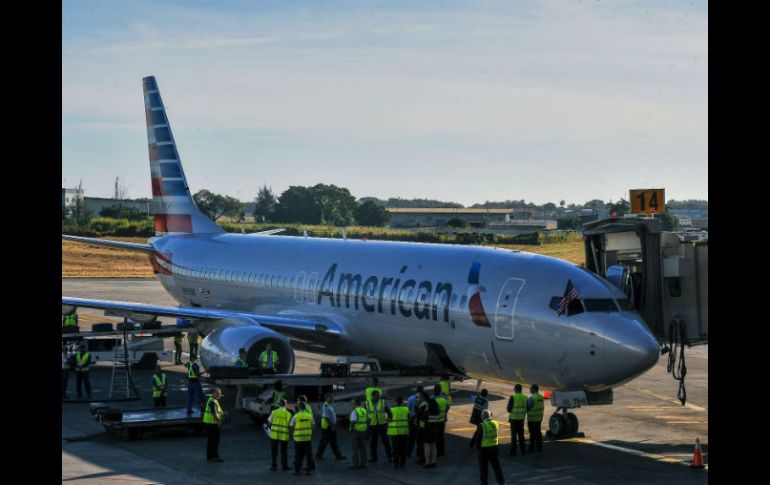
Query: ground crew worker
[194, 389]
[378, 426]
[398, 431]
[279, 434]
[486, 437]
[358, 431]
[517, 409]
[535, 409]
[328, 429]
[413, 426]
[278, 395]
[83, 370]
[444, 383]
[268, 360]
[480, 403]
[159, 388]
[65, 370]
[421, 420]
[430, 431]
[302, 425]
[371, 389]
[443, 409]
[70, 322]
[178, 349]
[212, 419]
[193, 340]
[240, 361]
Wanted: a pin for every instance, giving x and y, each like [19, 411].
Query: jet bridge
[664, 274]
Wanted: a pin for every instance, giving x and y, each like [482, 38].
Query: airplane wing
[305, 328]
[267, 232]
[112, 244]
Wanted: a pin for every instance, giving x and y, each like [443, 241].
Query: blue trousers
[194, 394]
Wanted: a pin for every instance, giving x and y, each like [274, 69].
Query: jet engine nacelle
[220, 347]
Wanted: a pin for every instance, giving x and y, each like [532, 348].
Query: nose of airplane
[629, 348]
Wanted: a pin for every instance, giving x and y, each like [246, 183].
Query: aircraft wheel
[572, 422]
[557, 425]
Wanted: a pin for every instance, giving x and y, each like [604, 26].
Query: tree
[569, 223]
[297, 205]
[337, 204]
[670, 221]
[620, 208]
[216, 206]
[265, 203]
[457, 222]
[371, 214]
[121, 212]
[80, 215]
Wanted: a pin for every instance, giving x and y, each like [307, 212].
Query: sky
[451, 100]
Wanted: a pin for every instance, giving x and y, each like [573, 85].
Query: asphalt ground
[646, 436]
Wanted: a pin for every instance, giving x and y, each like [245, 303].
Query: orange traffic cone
[697, 458]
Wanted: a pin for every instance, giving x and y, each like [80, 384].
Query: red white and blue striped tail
[173, 206]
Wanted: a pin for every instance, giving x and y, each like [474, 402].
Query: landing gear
[563, 425]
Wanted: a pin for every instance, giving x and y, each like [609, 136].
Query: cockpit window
[625, 305]
[573, 308]
[600, 305]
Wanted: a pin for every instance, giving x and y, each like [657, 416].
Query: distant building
[587, 215]
[401, 217]
[69, 198]
[96, 204]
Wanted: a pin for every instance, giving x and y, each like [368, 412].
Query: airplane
[475, 312]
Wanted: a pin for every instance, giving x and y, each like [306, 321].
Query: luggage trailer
[345, 385]
[134, 423]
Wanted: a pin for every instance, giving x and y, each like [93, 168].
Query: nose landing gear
[563, 425]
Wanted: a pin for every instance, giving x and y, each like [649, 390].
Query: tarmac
[646, 436]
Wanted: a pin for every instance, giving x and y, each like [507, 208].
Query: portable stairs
[122, 386]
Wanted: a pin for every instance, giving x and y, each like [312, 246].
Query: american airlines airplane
[478, 312]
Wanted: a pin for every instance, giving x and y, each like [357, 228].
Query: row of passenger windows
[593, 305]
[267, 280]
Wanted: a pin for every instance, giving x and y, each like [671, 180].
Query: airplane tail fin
[174, 208]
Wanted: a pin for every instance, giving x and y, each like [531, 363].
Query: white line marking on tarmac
[631, 451]
[665, 398]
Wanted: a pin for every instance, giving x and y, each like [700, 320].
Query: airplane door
[506, 308]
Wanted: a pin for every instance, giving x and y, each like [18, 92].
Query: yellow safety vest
[279, 424]
[263, 359]
[324, 421]
[159, 388]
[399, 425]
[191, 372]
[490, 428]
[369, 391]
[210, 418]
[277, 397]
[443, 406]
[360, 420]
[303, 426]
[178, 339]
[376, 416]
[70, 320]
[82, 358]
[519, 409]
[535, 413]
[445, 390]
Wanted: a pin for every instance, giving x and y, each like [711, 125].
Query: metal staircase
[122, 386]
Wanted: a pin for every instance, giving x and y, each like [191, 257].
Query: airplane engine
[220, 347]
